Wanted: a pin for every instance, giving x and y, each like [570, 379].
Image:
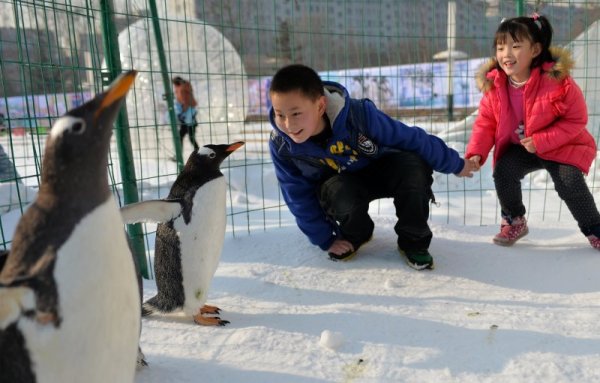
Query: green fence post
[520, 8]
[166, 82]
[130, 192]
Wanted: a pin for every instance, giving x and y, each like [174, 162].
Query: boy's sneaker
[511, 232]
[418, 259]
[594, 241]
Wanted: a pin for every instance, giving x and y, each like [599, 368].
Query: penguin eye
[78, 127]
[212, 155]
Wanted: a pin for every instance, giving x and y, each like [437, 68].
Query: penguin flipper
[16, 295]
[15, 301]
[160, 210]
[18, 272]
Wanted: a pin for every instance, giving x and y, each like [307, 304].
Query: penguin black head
[79, 141]
[209, 158]
[202, 166]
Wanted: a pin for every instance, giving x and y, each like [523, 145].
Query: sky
[527, 313]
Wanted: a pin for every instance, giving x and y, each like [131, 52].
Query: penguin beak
[117, 90]
[235, 146]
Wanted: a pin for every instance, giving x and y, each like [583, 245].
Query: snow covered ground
[529, 313]
[486, 313]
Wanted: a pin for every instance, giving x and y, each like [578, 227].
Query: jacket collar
[557, 69]
[336, 100]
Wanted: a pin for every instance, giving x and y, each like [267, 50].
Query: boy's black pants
[403, 176]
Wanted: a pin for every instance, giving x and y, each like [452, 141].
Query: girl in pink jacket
[535, 116]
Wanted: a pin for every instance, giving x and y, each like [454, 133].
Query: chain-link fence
[415, 59]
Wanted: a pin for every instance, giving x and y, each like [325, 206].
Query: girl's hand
[527, 142]
[468, 169]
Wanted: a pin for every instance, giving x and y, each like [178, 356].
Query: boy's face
[297, 115]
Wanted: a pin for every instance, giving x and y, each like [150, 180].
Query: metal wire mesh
[53, 58]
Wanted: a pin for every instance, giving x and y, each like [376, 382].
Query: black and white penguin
[70, 308]
[190, 239]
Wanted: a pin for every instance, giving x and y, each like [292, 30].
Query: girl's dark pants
[568, 180]
[190, 130]
[403, 176]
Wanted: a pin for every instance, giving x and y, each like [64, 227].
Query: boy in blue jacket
[333, 155]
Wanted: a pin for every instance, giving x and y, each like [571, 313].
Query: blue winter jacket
[361, 133]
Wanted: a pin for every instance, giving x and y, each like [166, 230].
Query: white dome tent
[197, 52]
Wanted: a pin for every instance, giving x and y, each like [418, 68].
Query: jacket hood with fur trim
[554, 114]
[557, 69]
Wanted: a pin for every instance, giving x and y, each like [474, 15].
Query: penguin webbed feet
[204, 317]
[206, 309]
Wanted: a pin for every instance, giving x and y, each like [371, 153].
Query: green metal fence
[56, 54]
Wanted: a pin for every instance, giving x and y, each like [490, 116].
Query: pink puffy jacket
[555, 114]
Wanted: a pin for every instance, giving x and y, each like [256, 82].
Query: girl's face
[297, 115]
[515, 57]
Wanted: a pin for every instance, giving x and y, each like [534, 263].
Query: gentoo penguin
[188, 247]
[70, 302]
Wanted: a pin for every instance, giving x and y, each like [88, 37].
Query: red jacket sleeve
[483, 136]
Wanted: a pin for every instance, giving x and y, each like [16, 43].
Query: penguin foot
[202, 319]
[209, 321]
[206, 309]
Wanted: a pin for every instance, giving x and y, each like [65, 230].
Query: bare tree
[288, 49]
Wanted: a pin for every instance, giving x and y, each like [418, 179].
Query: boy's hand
[527, 142]
[340, 246]
[468, 169]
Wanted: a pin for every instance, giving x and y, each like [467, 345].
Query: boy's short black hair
[297, 77]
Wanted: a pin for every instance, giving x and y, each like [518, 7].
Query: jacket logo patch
[366, 146]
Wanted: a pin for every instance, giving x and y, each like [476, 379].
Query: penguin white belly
[99, 304]
[201, 243]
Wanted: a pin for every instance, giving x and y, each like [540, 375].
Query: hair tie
[503, 20]
[535, 16]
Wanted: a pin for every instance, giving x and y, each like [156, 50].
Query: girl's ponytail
[544, 37]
